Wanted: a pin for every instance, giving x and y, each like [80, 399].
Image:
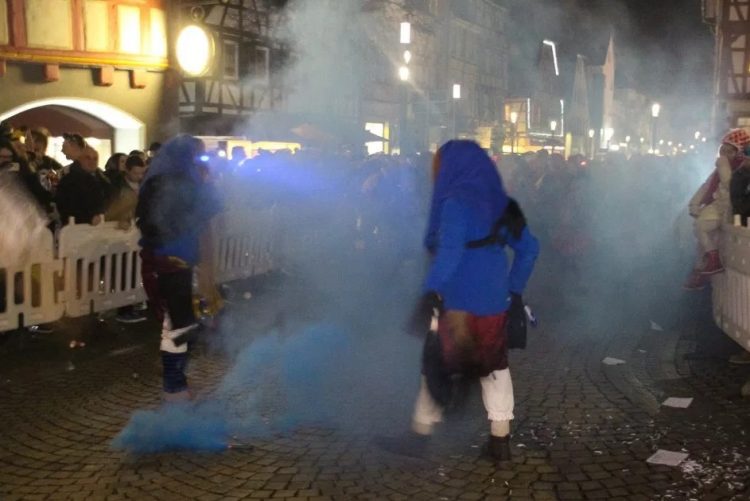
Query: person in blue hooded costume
[175, 208]
[472, 287]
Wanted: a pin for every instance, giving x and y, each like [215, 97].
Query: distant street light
[609, 133]
[407, 56]
[454, 105]
[553, 126]
[592, 133]
[405, 33]
[697, 134]
[655, 110]
[513, 130]
[403, 73]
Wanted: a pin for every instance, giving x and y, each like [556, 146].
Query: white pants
[497, 395]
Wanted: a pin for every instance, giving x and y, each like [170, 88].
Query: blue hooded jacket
[467, 200]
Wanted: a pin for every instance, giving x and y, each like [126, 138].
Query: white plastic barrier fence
[246, 245]
[98, 268]
[731, 289]
[102, 268]
[29, 288]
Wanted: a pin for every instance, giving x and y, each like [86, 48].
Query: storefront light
[195, 50]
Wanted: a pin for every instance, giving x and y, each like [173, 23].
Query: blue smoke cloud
[236, 409]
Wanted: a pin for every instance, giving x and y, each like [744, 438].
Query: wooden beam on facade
[137, 79]
[51, 72]
[104, 76]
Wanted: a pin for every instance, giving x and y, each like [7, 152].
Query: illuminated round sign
[195, 50]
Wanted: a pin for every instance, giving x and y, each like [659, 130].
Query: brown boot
[711, 263]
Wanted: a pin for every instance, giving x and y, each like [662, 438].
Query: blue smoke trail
[306, 386]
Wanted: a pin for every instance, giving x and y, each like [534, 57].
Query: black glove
[420, 321]
[516, 323]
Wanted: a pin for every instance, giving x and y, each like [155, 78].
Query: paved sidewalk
[583, 429]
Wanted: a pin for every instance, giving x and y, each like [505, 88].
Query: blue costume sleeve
[525, 252]
[450, 246]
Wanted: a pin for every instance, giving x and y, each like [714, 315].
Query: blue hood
[467, 174]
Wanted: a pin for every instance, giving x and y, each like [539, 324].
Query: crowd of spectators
[78, 192]
[619, 217]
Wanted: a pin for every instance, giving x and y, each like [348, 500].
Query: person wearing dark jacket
[739, 191]
[83, 193]
[470, 283]
[175, 207]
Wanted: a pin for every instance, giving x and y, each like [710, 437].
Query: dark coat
[82, 195]
[739, 192]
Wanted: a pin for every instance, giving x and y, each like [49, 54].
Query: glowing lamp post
[655, 110]
[405, 33]
[514, 130]
[456, 97]
[609, 133]
[195, 50]
[592, 133]
[404, 74]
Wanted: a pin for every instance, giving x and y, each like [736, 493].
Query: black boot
[497, 449]
[408, 444]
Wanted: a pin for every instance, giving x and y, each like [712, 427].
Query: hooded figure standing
[470, 284]
[174, 211]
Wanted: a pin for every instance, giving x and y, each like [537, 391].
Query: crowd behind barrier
[613, 218]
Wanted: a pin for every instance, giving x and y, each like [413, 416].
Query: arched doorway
[110, 128]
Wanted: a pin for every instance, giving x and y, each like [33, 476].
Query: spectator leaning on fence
[122, 210]
[84, 191]
[175, 207]
[710, 207]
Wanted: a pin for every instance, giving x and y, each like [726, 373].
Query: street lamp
[456, 97]
[514, 130]
[592, 132]
[405, 33]
[655, 110]
[697, 135]
[609, 133]
[553, 126]
[403, 75]
[194, 50]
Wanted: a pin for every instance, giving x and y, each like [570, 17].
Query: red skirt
[474, 344]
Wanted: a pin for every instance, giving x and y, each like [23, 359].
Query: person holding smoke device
[174, 213]
[473, 292]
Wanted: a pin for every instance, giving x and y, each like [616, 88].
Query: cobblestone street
[583, 430]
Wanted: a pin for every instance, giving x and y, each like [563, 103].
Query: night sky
[663, 47]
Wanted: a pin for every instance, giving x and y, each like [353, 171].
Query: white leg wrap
[497, 395]
[427, 412]
[167, 340]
